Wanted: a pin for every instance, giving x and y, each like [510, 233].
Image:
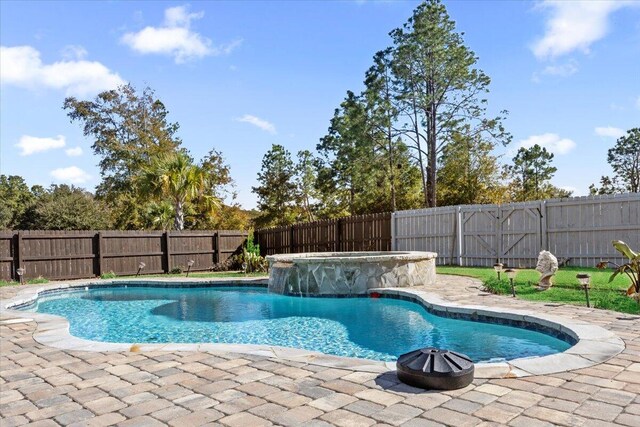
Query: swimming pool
[378, 329]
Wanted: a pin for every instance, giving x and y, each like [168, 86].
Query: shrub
[176, 270]
[108, 275]
[631, 268]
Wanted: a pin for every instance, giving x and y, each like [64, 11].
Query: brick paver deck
[42, 386]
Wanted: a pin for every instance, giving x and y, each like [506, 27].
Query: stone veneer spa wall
[349, 273]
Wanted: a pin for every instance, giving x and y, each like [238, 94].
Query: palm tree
[174, 178]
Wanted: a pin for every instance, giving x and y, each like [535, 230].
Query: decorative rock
[433, 368]
[349, 273]
[547, 267]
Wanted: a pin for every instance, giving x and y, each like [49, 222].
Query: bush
[176, 270]
[108, 275]
[251, 259]
[495, 286]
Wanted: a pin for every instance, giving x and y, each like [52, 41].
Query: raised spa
[370, 328]
[349, 273]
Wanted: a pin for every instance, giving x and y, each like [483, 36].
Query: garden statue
[547, 267]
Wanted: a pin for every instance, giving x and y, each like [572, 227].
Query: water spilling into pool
[379, 329]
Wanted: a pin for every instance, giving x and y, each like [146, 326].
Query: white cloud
[258, 122]
[574, 25]
[551, 141]
[70, 175]
[74, 52]
[22, 66]
[562, 70]
[609, 132]
[175, 38]
[74, 152]
[32, 144]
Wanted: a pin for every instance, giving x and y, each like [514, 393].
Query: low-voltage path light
[141, 267]
[189, 265]
[20, 271]
[585, 280]
[498, 267]
[511, 274]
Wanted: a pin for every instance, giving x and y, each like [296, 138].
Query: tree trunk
[432, 149]
[179, 216]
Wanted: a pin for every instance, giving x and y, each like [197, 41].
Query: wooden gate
[520, 233]
[479, 234]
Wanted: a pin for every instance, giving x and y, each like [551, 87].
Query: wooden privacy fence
[578, 230]
[86, 254]
[370, 232]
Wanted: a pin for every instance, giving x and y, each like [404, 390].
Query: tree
[128, 129]
[440, 86]
[175, 179]
[277, 190]
[607, 186]
[64, 207]
[305, 180]
[624, 159]
[15, 200]
[347, 164]
[382, 111]
[469, 174]
[532, 173]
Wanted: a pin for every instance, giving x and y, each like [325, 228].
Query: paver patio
[41, 385]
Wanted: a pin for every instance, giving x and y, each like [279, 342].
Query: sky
[239, 76]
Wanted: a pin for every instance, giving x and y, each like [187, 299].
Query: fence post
[17, 255]
[393, 231]
[339, 235]
[459, 232]
[216, 247]
[167, 253]
[544, 243]
[100, 254]
[291, 235]
[499, 245]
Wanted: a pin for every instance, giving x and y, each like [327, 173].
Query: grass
[205, 275]
[223, 274]
[603, 294]
[29, 282]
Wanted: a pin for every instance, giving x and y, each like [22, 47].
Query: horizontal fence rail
[85, 254]
[350, 234]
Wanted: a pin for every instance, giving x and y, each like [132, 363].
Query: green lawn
[205, 275]
[605, 295]
[225, 274]
[29, 282]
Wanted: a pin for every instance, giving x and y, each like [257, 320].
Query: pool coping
[594, 344]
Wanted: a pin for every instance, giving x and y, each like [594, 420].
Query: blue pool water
[379, 329]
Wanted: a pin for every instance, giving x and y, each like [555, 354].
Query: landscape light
[498, 267]
[511, 274]
[585, 280]
[141, 266]
[189, 265]
[20, 272]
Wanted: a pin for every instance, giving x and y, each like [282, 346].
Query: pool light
[20, 271]
[585, 280]
[141, 266]
[189, 265]
[511, 274]
[498, 267]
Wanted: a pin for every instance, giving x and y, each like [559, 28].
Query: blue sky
[240, 76]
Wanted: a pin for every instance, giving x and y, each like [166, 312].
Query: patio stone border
[593, 344]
